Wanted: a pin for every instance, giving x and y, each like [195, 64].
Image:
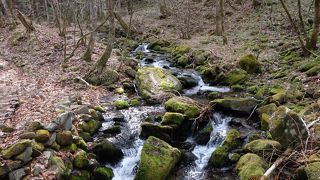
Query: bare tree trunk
[6, 8]
[26, 22]
[46, 8]
[219, 17]
[302, 43]
[124, 25]
[316, 25]
[97, 70]
[87, 56]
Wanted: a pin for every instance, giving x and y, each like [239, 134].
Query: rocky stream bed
[172, 122]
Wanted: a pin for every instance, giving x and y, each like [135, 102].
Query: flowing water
[130, 142]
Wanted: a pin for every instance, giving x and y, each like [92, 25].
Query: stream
[131, 119]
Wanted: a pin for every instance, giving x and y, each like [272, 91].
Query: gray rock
[25, 156]
[64, 120]
[17, 174]
[37, 170]
[82, 109]
[52, 139]
[52, 127]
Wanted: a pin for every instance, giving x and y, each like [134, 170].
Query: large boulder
[238, 105]
[183, 105]
[103, 173]
[157, 160]
[106, 78]
[154, 83]
[106, 151]
[203, 135]
[234, 77]
[172, 119]
[250, 166]
[285, 124]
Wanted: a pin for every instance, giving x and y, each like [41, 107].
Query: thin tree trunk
[219, 18]
[295, 28]
[87, 56]
[124, 25]
[316, 25]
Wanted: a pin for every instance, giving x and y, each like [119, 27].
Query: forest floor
[33, 79]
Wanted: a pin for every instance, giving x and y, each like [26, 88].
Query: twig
[81, 79]
[277, 163]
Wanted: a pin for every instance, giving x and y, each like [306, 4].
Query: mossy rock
[211, 74]
[172, 119]
[200, 57]
[182, 49]
[6, 129]
[154, 83]
[250, 64]
[81, 160]
[309, 171]
[37, 148]
[157, 44]
[34, 126]
[94, 126]
[305, 66]
[285, 124]
[106, 151]
[64, 138]
[71, 148]
[268, 109]
[80, 175]
[232, 139]
[42, 136]
[27, 135]
[183, 61]
[15, 149]
[115, 129]
[238, 105]
[119, 90]
[203, 135]
[86, 136]
[250, 165]
[311, 112]
[121, 104]
[235, 77]
[135, 102]
[157, 160]
[81, 143]
[106, 78]
[99, 108]
[262, 145]
[161, 132]
[103, 173]
[57, 165]
[219, 157]
[183, 105]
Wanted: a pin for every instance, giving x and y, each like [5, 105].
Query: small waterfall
[203, 153]
[129, 140]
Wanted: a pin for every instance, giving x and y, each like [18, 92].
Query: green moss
[182, 105]
[249, 166]
[305, 66]
[250, 64]
[103, 173]
[81, 175]
[119, 90]
[121, 104]
[238, 87]
[81, 160]
[64, 138]
[56, 161]
[240, 105]
[232, 139]
[182, 49]
[262, 145]
[42, 135]
[99, 108]
[158, 158]
[265, 121]
[135, 102]
[37, 148]
[15, 149]
[55, 146]
[72, 148]
[94, 126]
[183, 61]
[172, 119]
[235, 77]
[219, 157]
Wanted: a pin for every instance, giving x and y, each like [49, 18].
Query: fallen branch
[27, 23]
[84, 81]
[277, 163]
